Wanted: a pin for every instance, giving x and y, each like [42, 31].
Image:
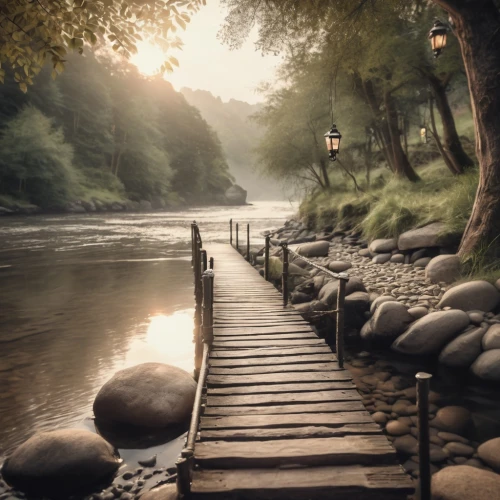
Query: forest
[101, 135]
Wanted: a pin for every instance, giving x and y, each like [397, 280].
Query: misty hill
[239, 136]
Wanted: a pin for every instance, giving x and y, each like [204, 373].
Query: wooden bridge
[280, 418]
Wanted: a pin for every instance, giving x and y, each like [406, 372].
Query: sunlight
[149, 58]
[169, 339]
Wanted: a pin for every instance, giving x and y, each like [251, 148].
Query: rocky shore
[400, 299]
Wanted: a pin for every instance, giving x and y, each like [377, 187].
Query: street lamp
[437, 36]
[333, 142]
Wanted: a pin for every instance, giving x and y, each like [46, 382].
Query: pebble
[396, 428]
[459, 449]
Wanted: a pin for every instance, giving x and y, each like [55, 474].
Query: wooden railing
[237, 241]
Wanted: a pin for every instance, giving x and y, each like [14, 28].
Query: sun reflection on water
[169, 339]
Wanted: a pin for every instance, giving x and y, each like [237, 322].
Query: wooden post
[192, 244]
[248, 242]
[231, 232]
[266, 257]
[237, 245]
[183, 477]
[211, 262]
[284, 276]
[204, 260]
[198, 342]
[340, 322]
[423, 382]
[208, 307]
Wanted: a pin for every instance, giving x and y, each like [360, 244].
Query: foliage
[130, 137]
[35, 32]
[36, 161]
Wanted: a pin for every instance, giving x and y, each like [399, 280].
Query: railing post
[237, 245]
[208, 307]
[197, 273]
[339, 341]
[211, 262]
[284, 276]
[423, 382]
[266, 257]
[183, 481]
[248, 242]
[204, 260]
[231, 232]
[192, 243]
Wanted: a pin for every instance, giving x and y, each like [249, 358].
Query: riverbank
[403, 316]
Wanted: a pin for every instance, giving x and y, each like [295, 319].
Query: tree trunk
[324, 171]
[477, 27]
[402, 166]
[451, 140]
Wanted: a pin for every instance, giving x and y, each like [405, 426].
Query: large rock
[492, 338]
[338, 266]
[479, 295]
[429, 334]
[462, 351]
[165, 492]
[68, 460]
[390, 320]
[236, 195]
[487, 365]
[151, 395]
[489, 453]
[463, 482]
[443, 268]
[354, 284]
[454, 419]
[383, 246]
[314, 249]
[380, 300]
[382, 258]
[433, 235]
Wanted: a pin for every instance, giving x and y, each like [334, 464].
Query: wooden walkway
[282, 420]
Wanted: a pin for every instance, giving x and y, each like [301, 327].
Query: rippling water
[82, 296]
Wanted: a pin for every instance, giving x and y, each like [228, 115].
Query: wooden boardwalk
[282, 420]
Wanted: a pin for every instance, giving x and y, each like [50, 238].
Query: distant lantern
[437, 36]
[333, 142]
[423, 134]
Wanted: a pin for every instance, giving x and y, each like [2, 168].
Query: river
[82, 296]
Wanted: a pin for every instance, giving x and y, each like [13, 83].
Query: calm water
[82, 296]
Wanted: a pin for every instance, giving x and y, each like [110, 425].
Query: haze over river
[82, 296]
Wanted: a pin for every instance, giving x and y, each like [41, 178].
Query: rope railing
[203, 339]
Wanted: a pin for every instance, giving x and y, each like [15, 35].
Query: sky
[206, 64]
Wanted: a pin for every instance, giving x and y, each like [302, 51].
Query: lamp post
[333, 142]
[437, 36]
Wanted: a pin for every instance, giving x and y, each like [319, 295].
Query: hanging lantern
[437, 36]
[333, 142]
[423, 134]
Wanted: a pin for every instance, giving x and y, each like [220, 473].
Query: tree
[33, 32]
[36, 161]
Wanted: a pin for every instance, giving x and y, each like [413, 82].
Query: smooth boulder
[463, 482]
[429, 334]
[473, 295]
[390, 320]
[453, 419]
[383, 245]
[382, 258]
[153, 395]
[492, 338]
[432, 235]
[380, 300]
[236, 195]
[489, 453]
[338, 266]
[487, 365]
[165, 492]
[314, 249]
[67, 460]
[443, 268]
[462, 351]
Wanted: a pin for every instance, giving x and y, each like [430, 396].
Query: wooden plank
[341, 406]
[272, 360]
[269, 330]
[253, 370]
[279, 398]
[290, 432]
[270, 351]
[270, 337]
[279, 378]
[271, 388]
[338, 419]
[244, 343]
[319, 483]
[349, 450]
